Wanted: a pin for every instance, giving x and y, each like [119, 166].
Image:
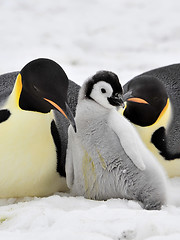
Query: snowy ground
[125, 36]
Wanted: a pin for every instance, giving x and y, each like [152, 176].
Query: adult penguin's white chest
[28, 159]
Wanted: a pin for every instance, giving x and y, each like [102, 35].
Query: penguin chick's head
[146, 100]
[44, 86]
[104, 88]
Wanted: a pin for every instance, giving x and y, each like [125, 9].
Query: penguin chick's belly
[28, 158]
[101, 173]
[99, 183]
[102, 181]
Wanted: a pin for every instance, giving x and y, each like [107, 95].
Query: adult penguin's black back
[164, 141]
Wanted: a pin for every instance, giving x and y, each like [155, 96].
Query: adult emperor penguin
[30, 144]
[105, 157]
[153, 100]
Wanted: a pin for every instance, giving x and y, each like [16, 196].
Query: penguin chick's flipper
[69, 158]
[129, 140]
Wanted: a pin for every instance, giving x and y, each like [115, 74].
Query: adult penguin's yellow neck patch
[13, 101]
[18, 88]
[163, 120]
[163, 111]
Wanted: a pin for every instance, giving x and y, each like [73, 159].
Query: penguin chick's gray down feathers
[105, 157]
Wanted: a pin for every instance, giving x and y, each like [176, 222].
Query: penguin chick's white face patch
[101, 91]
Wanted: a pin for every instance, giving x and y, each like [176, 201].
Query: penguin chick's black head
[44, 87]
[104, 87]
[146, 98]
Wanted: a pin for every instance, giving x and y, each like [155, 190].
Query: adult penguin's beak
[128, 97]
[66, 111]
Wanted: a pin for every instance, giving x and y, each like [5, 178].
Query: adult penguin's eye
[36, 88]
[103, 90]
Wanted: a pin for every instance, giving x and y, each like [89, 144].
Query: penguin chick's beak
[116, 100]
[67, 112]
[130, 98]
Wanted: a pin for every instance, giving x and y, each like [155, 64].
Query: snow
[124, 36]
[64, 217]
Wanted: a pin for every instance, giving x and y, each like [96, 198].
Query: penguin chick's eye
[103, 90]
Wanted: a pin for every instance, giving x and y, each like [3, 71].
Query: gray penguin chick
[106, 158]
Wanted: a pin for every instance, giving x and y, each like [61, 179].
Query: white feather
[129, 138]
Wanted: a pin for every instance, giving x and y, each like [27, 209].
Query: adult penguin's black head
[146, 99]
[43, 86]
